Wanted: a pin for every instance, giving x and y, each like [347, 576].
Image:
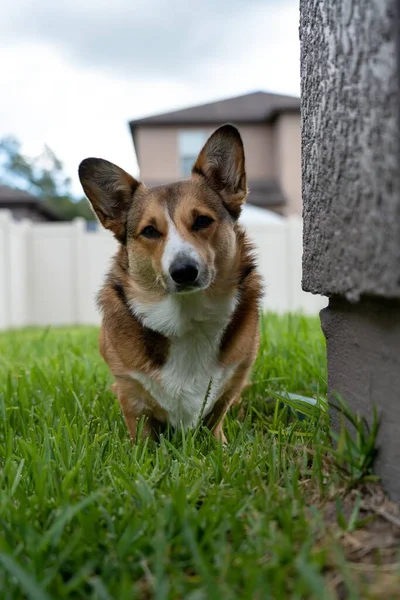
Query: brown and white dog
[180, 304]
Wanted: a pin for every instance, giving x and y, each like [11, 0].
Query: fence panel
[270, 242]
[53, 276]
[97, 250]
[50, 273]
[5, 296]
[19, 276]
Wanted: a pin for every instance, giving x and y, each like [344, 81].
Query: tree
[43, 177]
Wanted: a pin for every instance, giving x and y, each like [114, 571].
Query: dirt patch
[367, 526]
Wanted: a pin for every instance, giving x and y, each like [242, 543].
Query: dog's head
[178, 236]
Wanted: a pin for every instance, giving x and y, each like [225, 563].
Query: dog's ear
[221, 162]
[110, 191]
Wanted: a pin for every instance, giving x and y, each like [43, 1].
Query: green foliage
[355, 445]
[84, 514]
[43, 177]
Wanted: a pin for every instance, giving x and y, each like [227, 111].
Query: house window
[190, 144]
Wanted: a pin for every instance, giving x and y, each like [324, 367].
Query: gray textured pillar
[351, 202]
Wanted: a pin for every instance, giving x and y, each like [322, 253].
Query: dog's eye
[202, 222]
[151, 233]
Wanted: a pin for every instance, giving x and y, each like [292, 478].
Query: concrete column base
[363, 346]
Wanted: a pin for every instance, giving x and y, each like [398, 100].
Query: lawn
[275, 514]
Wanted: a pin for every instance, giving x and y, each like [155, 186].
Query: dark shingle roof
[255, 107]
[17, 196]
[10, 197]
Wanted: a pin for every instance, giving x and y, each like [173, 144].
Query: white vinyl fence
[51, 272]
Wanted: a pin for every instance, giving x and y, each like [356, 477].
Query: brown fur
[217, 190]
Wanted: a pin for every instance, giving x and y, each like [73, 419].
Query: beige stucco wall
[158, 151]
[288, 160]
[257, 140]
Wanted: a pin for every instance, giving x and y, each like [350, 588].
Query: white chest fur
[194, 326]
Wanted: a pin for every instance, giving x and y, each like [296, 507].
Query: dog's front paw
[220, 436]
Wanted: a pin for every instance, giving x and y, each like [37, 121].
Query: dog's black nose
[184, 271]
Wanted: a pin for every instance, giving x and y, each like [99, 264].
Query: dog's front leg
[134, 407]
[231, 395]
[215, 419]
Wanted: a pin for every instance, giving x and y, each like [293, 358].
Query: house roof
[14, 195]
[11, 197]
[255, 107]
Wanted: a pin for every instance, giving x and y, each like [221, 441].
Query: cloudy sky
[73, 73]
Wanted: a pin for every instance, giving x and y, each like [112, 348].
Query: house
[25, 206]
[166, 145]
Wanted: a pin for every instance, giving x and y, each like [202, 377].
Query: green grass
[84, 514]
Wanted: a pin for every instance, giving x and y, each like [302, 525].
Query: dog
[181, 303]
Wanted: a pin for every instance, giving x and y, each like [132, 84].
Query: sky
[73, 73]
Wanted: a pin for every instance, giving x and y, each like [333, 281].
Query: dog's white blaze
[176, 245]
[195, 326]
